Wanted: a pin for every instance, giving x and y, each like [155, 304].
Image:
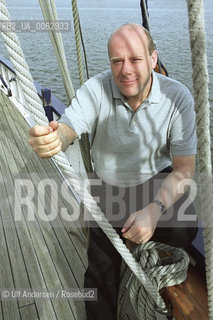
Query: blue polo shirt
[129, 147]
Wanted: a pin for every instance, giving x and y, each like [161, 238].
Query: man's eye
[116, 61]
[136, 59]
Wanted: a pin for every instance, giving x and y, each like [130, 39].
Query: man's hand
[140, 226]
[47, 141]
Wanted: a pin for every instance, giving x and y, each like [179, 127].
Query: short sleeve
[82, 114]
[183, 140]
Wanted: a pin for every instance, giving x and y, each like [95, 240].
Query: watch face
[162, 208]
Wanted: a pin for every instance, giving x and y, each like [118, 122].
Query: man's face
[131, 63]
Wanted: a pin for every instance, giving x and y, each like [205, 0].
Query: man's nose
[126, 67]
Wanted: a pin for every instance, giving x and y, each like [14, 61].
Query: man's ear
[154, 59]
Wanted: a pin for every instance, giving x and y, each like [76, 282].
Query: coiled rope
[201, 94]
[163, 272]
[26, 82]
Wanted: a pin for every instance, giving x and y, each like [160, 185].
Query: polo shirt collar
[153, 97]
[115, 91]
[155, 94]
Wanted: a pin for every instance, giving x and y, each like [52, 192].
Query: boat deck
[34, 253]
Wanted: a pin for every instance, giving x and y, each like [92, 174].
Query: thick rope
[72, 178]
[200, 83]
[17, 57]
[163, 272]
[50, 14]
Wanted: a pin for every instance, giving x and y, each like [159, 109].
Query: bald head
[132, 58]
[136, 29]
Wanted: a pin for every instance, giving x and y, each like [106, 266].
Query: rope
[168, 271]
[200, 83]
[17, 58]
[50, 14]
[84, 51]
[145, 15]
[78, 40]
[84, 143]
[23, 75]
[145, 22]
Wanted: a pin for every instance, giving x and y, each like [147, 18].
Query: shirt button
[133, 123]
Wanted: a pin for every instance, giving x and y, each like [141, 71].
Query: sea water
[169, 27]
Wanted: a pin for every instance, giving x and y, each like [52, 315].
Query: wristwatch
[161, 206]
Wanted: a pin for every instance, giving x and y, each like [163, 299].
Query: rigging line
[84, 143]
[196, 27]
[50, 14]
[145, 22]
[145, 15]
[84, 50]
[79, 38]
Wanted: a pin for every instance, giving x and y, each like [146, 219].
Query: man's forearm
[66, 134]
[170, 190]
[174, 186]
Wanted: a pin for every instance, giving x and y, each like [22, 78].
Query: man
[141, 124]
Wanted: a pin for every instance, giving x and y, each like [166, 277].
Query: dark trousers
[103, 271]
